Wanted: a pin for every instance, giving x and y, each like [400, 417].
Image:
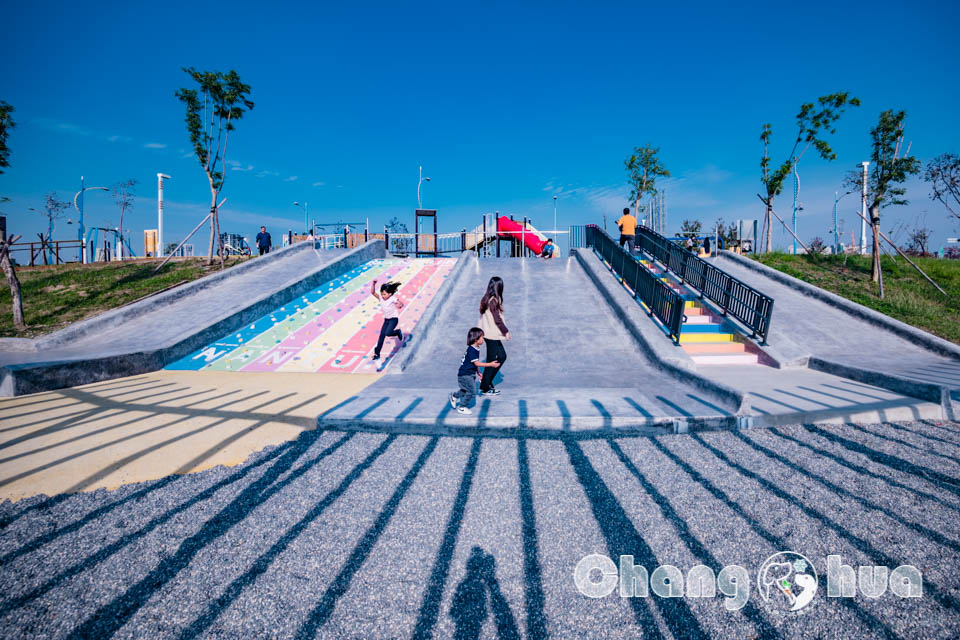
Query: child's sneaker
[491, 392]
[375, 358]
[453, 401]
[464, 410]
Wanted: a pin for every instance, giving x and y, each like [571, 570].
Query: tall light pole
[796, 192]
[306, 225]
[81, 230]
[836, 223]
[160, 178]
[554, 214]
[419, 203]
[863, 210]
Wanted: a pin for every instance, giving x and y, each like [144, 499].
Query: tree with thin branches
[891, 165]
[643, 168]
[212, 110]
[124, 195]
[6, 264]
[943, 174]
[53, 209]
[813, 121]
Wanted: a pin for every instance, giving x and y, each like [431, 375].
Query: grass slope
[909, 298]
[54, 297]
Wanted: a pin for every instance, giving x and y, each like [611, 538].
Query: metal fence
[735, 298]
[661, 301]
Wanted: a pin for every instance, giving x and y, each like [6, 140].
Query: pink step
[744, 358]
[713, 348]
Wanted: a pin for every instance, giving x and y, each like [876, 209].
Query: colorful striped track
[332, 329]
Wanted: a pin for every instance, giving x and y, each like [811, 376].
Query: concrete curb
[427, 322]
[914, 388]
[117, 316]
[912, 334]
[33, 377]
[657, 346]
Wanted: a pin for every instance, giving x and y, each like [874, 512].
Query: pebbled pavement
[379, 536]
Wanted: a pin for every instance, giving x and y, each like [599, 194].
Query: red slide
[507, 228]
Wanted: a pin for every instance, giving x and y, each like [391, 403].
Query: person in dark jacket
[263, 241]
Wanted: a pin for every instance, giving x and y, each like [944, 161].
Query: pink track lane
[351, 355]
[314, 329]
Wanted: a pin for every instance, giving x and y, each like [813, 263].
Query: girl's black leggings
[389, 329]
[495, 351]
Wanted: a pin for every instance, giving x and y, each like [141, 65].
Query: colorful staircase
[707, 337]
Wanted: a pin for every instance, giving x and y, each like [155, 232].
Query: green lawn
[909, 298]
[56, 296]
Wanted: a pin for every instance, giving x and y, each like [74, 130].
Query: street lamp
[863, 210]
[306, 225]
[419, 203]
[160, 178]
[796, 192]
[836, 224]
[78, 205]
[554, 214]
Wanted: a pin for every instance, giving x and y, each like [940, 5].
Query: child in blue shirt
[462, 398]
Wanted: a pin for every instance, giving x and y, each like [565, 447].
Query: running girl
[390, 305]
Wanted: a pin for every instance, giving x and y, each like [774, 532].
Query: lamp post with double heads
[78, 205]
[306, 225]
[419, 182]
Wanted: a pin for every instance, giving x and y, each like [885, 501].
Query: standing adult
[495, 332]
[706, 245]
[628, 229]
[263, 241]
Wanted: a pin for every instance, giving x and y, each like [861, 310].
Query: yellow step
[706, 337]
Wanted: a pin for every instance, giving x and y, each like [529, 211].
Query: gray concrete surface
[570, 363]
[380, 536]
[150, 339]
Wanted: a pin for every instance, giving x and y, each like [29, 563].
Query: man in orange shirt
[628, 229]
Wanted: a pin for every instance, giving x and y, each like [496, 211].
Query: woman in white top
[494, 333]
[390, 305]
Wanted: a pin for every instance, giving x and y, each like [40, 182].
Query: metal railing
[734, 297]
[660, 300]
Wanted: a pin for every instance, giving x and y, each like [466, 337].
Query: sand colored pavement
[147, 427]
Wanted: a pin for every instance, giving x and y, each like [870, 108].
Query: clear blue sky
[503, 105]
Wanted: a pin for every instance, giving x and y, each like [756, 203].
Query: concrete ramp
[147, 335]
[571, 364]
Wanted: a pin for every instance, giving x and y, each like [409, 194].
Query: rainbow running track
[332, 329]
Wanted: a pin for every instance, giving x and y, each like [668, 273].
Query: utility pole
[863, 209]
[160, 178]
[796, 192]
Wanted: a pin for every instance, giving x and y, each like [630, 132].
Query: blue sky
[504, 105]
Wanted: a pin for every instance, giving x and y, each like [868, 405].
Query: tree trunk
[11, 274]
[213, 224]
[875, 225]
[636, 208]
[768, 222]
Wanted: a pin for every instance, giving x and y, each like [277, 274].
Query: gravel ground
[364, 535]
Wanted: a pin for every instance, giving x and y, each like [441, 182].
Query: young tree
[813, 121]
[643, 169]
[211, 112]
[6, 124]
[395, 226]
[727, 232]
[918, 240]
[690, 228]
[123, 195]
[943, 174]
[891, 165]
[53, 210]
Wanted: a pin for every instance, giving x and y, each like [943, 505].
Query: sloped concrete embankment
[846, 339]
[167, 327]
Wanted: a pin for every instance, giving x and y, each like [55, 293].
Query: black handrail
[662, 301]
[734, 297]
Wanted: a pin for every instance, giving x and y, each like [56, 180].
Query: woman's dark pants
[495, 352]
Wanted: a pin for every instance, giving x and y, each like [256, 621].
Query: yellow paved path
[146, 427]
